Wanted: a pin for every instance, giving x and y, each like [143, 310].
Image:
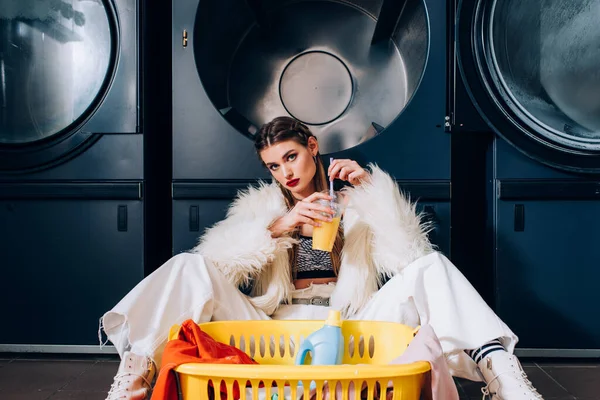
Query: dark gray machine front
[71, 168]
[530, 69]
[367, 77]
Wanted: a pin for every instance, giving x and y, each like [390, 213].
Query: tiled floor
[88, 378]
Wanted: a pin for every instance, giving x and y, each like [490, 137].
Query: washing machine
[528, 72]
[71, 169]
[367, 77]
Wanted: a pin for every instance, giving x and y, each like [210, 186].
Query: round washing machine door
[347, 69]
[57, 61]
[532, 68]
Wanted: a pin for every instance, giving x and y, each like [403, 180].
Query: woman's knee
[187, 257]
[190, 263]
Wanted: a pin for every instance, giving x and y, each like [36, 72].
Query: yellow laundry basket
[369, 347]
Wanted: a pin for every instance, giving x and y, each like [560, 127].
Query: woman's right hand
[306, 211]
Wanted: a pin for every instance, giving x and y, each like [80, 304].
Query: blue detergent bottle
[326, 345]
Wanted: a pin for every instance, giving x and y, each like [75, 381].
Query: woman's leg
[433, 291]
[185, 287]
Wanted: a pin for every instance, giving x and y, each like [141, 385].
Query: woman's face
[293, 165]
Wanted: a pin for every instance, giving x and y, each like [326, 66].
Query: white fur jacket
[382, 235]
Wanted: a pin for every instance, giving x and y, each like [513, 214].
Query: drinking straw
[331, 185]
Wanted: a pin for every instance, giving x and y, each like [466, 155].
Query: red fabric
[194, 346]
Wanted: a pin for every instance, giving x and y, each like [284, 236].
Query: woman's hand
[347, 170]
[304, 212]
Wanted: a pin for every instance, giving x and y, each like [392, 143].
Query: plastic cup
[324, 236]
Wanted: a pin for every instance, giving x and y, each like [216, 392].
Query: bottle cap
[334, 318]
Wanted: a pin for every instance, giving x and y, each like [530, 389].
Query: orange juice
[324, 235]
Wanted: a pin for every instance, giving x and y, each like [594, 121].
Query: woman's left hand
[347, 170]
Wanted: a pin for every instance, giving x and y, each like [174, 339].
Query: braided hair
[282, 129]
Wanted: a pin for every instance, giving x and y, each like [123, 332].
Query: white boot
[505, 378]
[134, 378]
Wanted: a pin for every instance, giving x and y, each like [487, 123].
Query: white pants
[431, 291]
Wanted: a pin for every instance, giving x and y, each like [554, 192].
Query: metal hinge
[185, 38]
[448, 123]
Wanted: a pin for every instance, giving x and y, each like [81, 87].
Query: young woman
[264, 244]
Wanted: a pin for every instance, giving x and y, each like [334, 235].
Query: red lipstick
[293, 182]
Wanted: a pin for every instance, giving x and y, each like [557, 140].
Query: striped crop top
[312, 263]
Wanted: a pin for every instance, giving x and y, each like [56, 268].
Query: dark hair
[279, 130]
